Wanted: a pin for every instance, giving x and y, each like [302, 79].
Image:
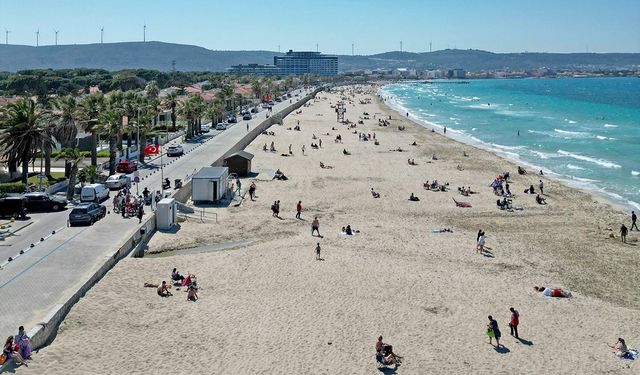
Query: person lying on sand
[323, 166]
[413, 198]
[163, 290]
[620, 348]
[459, 167]
[553, 292]
[345, 152]
[348, 231]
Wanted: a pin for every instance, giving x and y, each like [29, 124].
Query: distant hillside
[158, 56]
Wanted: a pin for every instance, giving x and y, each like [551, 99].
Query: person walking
[247, 126]
[634, 218]
[515, 320]
[480, 244]
[493, 331]
[303, 148]
[252, 190]
[298, 209]
[541, 187]
[290, 152]
[623, 233]
[315, 226]
[318, 251]
[320, 143]
[140, 213]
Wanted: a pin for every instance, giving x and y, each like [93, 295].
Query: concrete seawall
[44, 333]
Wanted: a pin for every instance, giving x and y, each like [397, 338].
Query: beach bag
[490, 332]
[3, 359]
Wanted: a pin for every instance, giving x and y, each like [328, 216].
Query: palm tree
[214, 111]
[152, 90]
[170, 101]
[23, 121]
[89, 173]
[65, 114]
[89, 109]
[74, 157]
[110, 124]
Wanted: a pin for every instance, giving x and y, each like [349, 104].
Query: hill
[159, 56]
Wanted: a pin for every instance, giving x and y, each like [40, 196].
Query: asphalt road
[50, 272]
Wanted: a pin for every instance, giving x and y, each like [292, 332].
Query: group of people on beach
[190, 282]
[17, 348]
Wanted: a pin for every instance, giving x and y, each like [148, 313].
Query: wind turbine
[6, 36]
[56, 31]
[144, 32]
[102, 35]
[37, 37]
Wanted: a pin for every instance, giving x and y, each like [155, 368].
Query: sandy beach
[269, 306]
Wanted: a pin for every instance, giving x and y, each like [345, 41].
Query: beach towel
[348, 235]
[631, 355]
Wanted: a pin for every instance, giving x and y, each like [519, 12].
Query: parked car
[87, 213]
[44, 202]
[205, 128]
[289, 95]
[118, 181]
[247, 116]
[265, 105]
[254, 110]
[278, 99]
[271, 103]
[94, 193]
[13, 207]
[175, 150]
[126, 166]
[221, 126]
[232, 119]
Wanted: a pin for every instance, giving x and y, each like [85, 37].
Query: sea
[585, 131]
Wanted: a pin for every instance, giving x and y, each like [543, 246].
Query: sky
[372, 26]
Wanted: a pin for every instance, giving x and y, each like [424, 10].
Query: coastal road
[52, 271]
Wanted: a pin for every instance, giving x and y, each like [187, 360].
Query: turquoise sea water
[585, 131]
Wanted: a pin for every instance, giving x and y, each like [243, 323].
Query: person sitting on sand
[464, 153]
[163, 290]
[345, 152]
[314, 136]
[273, 147]
[540, 200]
[175, 276]
[11, 350]
[192, 293]
[374, 194]
[620, 348]
[553, 292]
[413, 198]
[414, 143]
[264, 148]
[385, 355]
[433, 157]
[323, 166]
[459, 167]
[521, 170]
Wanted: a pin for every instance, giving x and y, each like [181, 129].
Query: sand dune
[269, 307]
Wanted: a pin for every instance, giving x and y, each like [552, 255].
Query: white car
[221, 126]
[176, 150]
[118, 181]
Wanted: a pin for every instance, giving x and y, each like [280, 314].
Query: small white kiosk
[166, 214]
[209, 184]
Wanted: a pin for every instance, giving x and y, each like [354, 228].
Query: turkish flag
[152, 149]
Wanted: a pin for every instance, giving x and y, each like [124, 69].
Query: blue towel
[631, 355]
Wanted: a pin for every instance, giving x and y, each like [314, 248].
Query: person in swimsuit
[163, 290]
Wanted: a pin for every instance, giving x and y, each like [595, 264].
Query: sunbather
[540, 200]
[163, 290]
[553, 292]
[192, 294]
[620, 348]
[374, 194]
[345, 152]
[413, 198]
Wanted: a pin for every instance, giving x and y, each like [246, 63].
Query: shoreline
[615, 200]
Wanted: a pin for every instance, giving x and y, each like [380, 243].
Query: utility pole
[400, 46]
[56, 31]
[144, 32]
[102, 35]
[38, 38]
[316, 47]
[6, 36]
[429, 46]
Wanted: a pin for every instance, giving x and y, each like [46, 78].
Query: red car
[126, 166]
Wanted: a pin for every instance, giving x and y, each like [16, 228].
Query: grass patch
[50, 180]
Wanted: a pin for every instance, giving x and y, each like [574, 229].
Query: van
[94, 193]
[13, 207]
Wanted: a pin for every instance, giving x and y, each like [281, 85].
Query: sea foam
[600, 162]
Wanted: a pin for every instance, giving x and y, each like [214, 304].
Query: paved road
[51, 272]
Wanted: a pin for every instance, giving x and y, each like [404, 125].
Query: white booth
[166, 214]
[209, 184]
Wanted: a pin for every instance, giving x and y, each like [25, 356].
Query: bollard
[32, 245]
[21, 252]
[53, 232]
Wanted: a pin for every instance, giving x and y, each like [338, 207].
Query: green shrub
[102, 154]
[12, 187]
